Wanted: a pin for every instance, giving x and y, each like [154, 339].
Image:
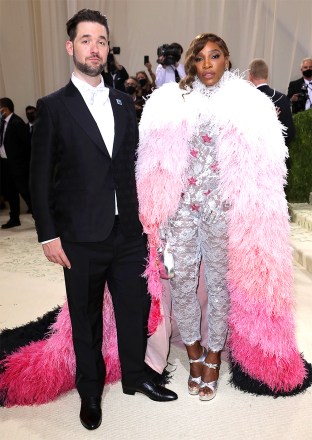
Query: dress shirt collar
[8, 117]
[88, 92]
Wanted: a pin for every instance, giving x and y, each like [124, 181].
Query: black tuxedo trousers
[119, 261]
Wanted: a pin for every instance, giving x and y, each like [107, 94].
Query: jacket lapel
[119, 107]
[75, 104]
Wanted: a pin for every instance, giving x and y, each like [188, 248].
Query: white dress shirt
[166, 75]
[308, 83]
[97, 101]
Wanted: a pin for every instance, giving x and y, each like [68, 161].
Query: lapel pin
[119, 101]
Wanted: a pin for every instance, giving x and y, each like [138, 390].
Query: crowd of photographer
[141, 85]
[170, 69]
[300, 90]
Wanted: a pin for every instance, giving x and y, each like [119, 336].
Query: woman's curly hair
[196, 46]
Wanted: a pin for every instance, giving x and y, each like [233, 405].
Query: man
[169, 68]
[114, 74]
[31, 113]
[15, 157]
[300, 90]
[258, 75]
[86, 213]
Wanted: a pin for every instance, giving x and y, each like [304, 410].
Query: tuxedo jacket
[17, 147]
[293, 88]
[285, 116]
[73, 177]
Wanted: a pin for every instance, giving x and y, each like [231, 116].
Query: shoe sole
[207, 398]
[193, 392]
[131, 392]
[89, 427]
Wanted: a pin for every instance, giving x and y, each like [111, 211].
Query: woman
[132, 87]
[210, 162]
[146, 85]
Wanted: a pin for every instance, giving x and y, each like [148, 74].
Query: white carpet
[30, 286]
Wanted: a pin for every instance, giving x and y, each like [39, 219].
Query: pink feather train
[41, 371]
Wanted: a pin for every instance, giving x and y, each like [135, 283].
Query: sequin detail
[198, 232]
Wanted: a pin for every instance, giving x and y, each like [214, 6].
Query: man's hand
[295, 97]
[55, 253]
[160, 60]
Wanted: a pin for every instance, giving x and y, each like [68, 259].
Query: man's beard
[88, 70]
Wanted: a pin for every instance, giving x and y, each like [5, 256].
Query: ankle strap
[215, 366]
[200, 359]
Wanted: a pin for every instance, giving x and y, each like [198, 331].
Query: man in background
[169, 68]
[300, 90]
[15, 158]
[258, 75]
[31, 113]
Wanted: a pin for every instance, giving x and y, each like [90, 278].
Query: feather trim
[13, 339]
[248, 384]
[158, 198]
[41, 371]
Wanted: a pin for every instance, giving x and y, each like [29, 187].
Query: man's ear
[69, 47]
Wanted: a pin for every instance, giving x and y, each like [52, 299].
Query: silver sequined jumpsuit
[198, 232]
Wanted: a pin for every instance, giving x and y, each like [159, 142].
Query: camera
[303, 95]
[115, 50]
[171, 54]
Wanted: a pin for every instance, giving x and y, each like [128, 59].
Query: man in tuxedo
[300, 90]
[15, 157]
[31, 113]
[258, 75]
[86, 212]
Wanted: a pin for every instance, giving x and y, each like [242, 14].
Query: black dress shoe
[152, 391]
[11, 224]
[91, 412]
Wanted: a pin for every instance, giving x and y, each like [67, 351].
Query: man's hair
[258, 69]
[8, 103]
[30, 107]
[134, 79]
[177, 46]
[85, 15]
[305, 59]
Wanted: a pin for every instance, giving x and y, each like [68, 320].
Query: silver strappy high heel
[213, 385]
[194, 389]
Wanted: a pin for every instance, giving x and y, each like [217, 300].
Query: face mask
[307, 73]
[142, 82]
[130, 89]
